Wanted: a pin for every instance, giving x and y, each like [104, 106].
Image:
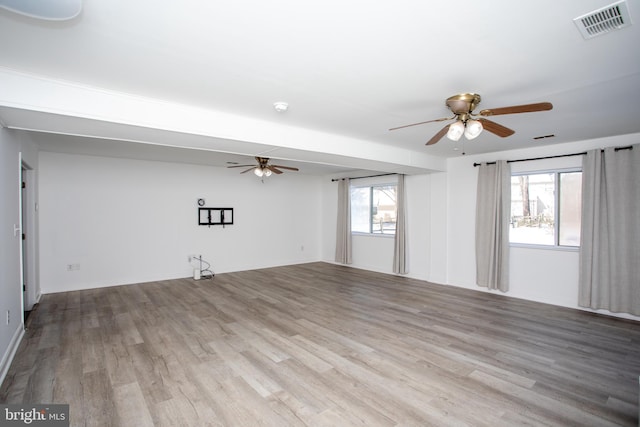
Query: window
[373, 209]
[546, 208]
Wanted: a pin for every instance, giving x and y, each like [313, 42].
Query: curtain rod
[630, 147]
[361, 177]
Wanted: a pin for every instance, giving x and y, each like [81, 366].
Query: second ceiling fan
[264, 167]
[468, 124]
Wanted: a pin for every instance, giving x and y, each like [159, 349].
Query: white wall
[441, 221]
[373, 253]
[14, 146]
[129, 221]
[544, 275]
[425, 238]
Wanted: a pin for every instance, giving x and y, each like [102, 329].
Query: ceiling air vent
[609, 18]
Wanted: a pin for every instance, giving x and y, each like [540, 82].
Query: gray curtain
[343, 229]
[493, 209]
[610, 236]
[400, 241]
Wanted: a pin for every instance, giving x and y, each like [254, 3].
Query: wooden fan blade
[422, 123]
[250, 169]
[528, 108]
[239, 166]
[285, 167]
[438, 136]
[274, 170]
[495, 128]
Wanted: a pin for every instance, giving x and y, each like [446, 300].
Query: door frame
[28, 208]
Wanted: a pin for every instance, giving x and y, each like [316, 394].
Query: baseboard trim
[8, 356]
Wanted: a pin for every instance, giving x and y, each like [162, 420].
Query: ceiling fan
[468, 124]
[264, 168]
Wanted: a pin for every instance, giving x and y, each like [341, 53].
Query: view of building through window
[373, 209]
[546, 208]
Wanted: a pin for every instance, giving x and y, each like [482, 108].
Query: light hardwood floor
[323, 345]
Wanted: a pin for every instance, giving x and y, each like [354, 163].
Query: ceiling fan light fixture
[263, 168]
[456, 130]
[462, 106]
[473, 128]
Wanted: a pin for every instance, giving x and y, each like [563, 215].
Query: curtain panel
[493, 210]
[400, 239]
[343, 228]
[610, 236]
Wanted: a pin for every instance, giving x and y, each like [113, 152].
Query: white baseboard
[8, 355]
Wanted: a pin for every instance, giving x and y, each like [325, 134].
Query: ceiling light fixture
[470, 128]
[264, 167]
[456, 130]
[280, 107]
[466, 123]
[473, 128]
[50, 10]
[260, 171]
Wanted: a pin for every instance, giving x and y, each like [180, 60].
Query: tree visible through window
[546, 208]
[373, 209]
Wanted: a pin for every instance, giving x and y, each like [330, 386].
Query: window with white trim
[546, 208]
[373, 209]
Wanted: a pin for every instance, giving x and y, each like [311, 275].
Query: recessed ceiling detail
[52, 10]
[602, 21]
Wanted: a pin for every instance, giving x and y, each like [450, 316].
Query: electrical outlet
[73, 267]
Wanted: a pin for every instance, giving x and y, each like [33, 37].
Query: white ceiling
[349, 71]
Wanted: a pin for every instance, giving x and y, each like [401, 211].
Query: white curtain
[493, 209]
[400, 241]
[610, 236]
[343, 229]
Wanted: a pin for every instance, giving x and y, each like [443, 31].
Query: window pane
[373, 209]
[570, 208]
[533, 209]
[383, 214]
[360, 209]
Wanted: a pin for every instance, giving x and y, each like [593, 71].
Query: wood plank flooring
[323, 345]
